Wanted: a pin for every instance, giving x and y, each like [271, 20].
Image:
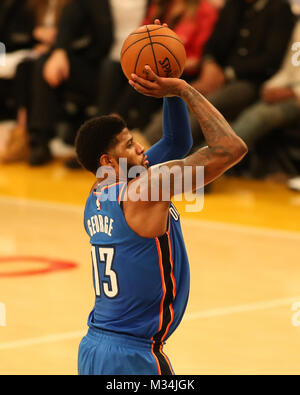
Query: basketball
[156, 46]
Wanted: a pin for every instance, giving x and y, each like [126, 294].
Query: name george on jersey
[100, 224]
[104, 224]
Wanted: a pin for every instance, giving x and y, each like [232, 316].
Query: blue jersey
[141, 284]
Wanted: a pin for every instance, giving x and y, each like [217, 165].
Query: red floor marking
[51, 265]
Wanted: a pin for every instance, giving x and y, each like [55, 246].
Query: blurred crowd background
[63, 67]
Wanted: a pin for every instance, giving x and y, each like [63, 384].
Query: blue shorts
[109, 353]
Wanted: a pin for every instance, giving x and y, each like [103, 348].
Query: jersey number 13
[109, 283]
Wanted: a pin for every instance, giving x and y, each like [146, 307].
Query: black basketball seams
[145, 38]
[138, 57]
[179, 65]
[146, 45]
[152, 49]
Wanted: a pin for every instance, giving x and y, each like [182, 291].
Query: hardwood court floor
[245, 276]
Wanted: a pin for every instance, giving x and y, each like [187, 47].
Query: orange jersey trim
[156, 360]
[106, 187]
[163, 285]
[121, 193]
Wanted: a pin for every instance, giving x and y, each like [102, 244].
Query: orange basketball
[156, 46]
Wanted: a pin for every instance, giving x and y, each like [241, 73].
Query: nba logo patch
[98, 204]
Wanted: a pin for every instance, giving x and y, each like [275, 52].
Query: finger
[158, 22]
[146, 83]
[151, 74]
[139, 88]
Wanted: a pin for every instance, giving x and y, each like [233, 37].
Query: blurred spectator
[193, 21]
[245, 49]
[32, 23]
[127, 16]
[84, 38]
[16, 32]
[16, 26]
[90, 37]
[279, 105]
[294, 183]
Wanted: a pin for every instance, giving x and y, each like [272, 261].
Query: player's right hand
[156, 86]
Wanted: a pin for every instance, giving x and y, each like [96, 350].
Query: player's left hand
[158, 22]
[157, 86]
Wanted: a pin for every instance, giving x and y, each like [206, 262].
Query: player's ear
[106, 160]
[109, 160]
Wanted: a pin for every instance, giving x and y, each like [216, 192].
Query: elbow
[239, 150]
[244, 148]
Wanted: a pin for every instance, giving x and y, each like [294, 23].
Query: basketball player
[140, 264]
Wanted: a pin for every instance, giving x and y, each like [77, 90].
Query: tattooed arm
[148, 215]
[224, 148]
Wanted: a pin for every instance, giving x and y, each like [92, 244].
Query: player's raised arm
[224, 148]
[176, 141]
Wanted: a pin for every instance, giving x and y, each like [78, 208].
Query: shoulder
[145, 214]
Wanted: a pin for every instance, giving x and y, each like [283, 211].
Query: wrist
[182, 85]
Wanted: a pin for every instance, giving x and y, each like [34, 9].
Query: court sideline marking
[263, 305]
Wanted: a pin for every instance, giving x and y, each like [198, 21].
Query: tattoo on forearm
[215, 128]
[205, 155]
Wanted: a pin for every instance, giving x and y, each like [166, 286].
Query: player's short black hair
[95, 137]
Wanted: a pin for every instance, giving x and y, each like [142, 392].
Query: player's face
[130, 149]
